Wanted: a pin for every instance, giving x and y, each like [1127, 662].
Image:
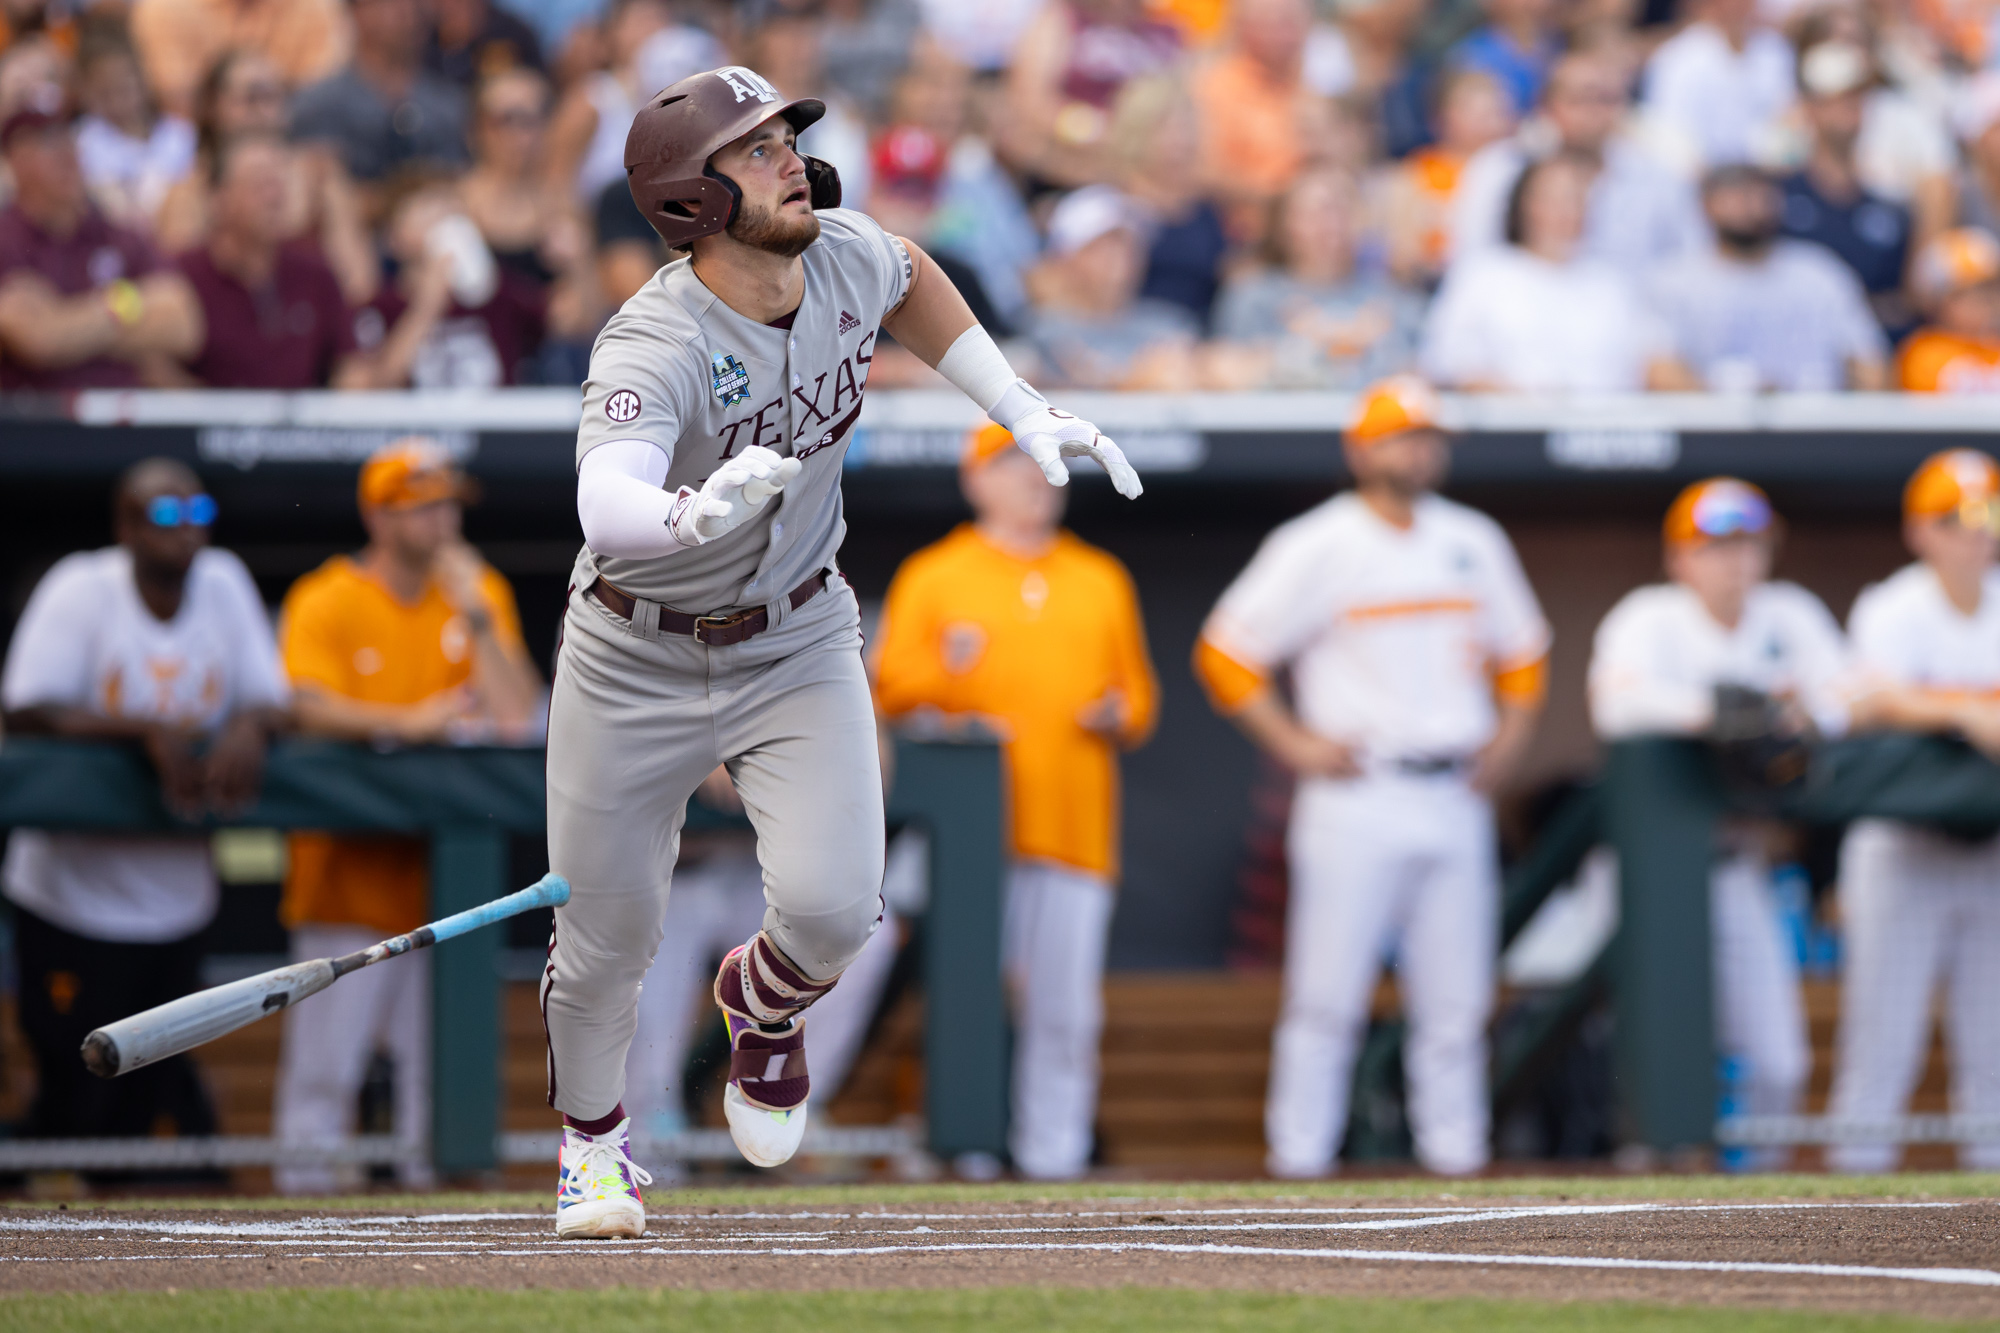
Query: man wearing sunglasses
[1655, 667]
[160, 640]
[1922, 908]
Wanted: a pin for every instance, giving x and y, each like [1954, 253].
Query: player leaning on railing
[707, 622]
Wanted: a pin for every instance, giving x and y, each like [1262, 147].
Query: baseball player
[1012, 619]
[1419, 664]
[707, 622]
[1920, 907]
[1655, 665]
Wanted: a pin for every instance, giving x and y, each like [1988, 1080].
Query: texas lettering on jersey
[766, 425]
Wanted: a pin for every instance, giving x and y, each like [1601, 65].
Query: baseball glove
[1759, 743]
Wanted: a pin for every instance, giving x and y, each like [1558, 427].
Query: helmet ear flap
[823, 181]
[735, 195]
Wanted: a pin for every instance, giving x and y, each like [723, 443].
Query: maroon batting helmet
[672, 137]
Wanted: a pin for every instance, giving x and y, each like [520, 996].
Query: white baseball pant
[1917, 908]
[714, 907]
[1760, 1014]
[1381, 862]
[636, 720]
[1054, 925]
[323, 1059]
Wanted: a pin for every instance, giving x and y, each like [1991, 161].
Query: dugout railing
[468, 802]
[1664, 801]
[1659, 804]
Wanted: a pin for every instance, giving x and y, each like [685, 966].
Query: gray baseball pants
[636, 721]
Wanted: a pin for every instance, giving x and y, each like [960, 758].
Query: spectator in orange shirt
[1473, 111]
[1253, 101]
[1016, 622]
[1957, 279]
[414, 641]
[179, 40]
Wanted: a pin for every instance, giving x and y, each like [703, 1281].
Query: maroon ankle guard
[769, 1069]
[761, 984]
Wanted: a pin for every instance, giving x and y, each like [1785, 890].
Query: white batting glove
[732, 493]
[1048, 436]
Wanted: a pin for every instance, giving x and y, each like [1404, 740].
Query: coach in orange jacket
[1017, 622]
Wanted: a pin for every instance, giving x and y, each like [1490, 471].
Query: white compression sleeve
[620, 500]
[974, 365]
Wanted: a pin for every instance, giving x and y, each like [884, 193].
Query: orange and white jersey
[1659, 655]
[1905, 631]
[1395, 637]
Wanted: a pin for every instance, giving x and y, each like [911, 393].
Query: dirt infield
[1937, 1258]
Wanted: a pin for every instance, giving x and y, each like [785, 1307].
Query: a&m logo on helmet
[747, 83]
[730, 379]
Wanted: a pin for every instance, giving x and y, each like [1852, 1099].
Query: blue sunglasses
[1731, 511]
[171, 511]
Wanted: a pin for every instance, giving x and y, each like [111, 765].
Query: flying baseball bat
[183, 1024]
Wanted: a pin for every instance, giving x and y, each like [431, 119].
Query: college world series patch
[731, 380]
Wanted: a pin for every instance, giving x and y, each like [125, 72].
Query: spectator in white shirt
[1721, 85]
[163, 642]
[1641, 211]
[1537, 314]
[1759, 311]
[131, 154]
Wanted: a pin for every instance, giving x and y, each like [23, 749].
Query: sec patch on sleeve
[622, 406]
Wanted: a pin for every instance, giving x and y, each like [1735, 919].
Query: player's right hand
[1311, 755]
[732, 493]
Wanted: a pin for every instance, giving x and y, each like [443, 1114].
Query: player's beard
[768, 230]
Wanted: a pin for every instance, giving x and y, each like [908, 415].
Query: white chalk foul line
[1396, 1219]
[1967, 1277]
[1971, 1277]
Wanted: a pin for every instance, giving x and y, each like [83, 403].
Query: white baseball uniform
[1393, 637]
[640, 715]
[1919, 907]
[1654, 667]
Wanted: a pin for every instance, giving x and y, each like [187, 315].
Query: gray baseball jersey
[678, 368]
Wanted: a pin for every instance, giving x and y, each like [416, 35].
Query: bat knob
[100, 1054]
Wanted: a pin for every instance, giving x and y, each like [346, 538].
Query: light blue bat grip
[548, 891]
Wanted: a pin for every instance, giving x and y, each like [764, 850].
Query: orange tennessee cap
[409, 472]
[1961, 482]
[1718, 507]
[1960, 258]
[1397, 404]
[984, 445]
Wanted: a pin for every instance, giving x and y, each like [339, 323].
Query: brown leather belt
[713, 631]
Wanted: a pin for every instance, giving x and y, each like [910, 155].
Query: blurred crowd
[1525, 195]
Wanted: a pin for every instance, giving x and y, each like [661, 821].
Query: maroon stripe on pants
[548, 980]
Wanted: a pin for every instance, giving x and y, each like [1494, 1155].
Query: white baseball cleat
[764, 1137]
[597, 1186]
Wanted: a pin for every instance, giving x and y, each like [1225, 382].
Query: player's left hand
[1049, 436]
